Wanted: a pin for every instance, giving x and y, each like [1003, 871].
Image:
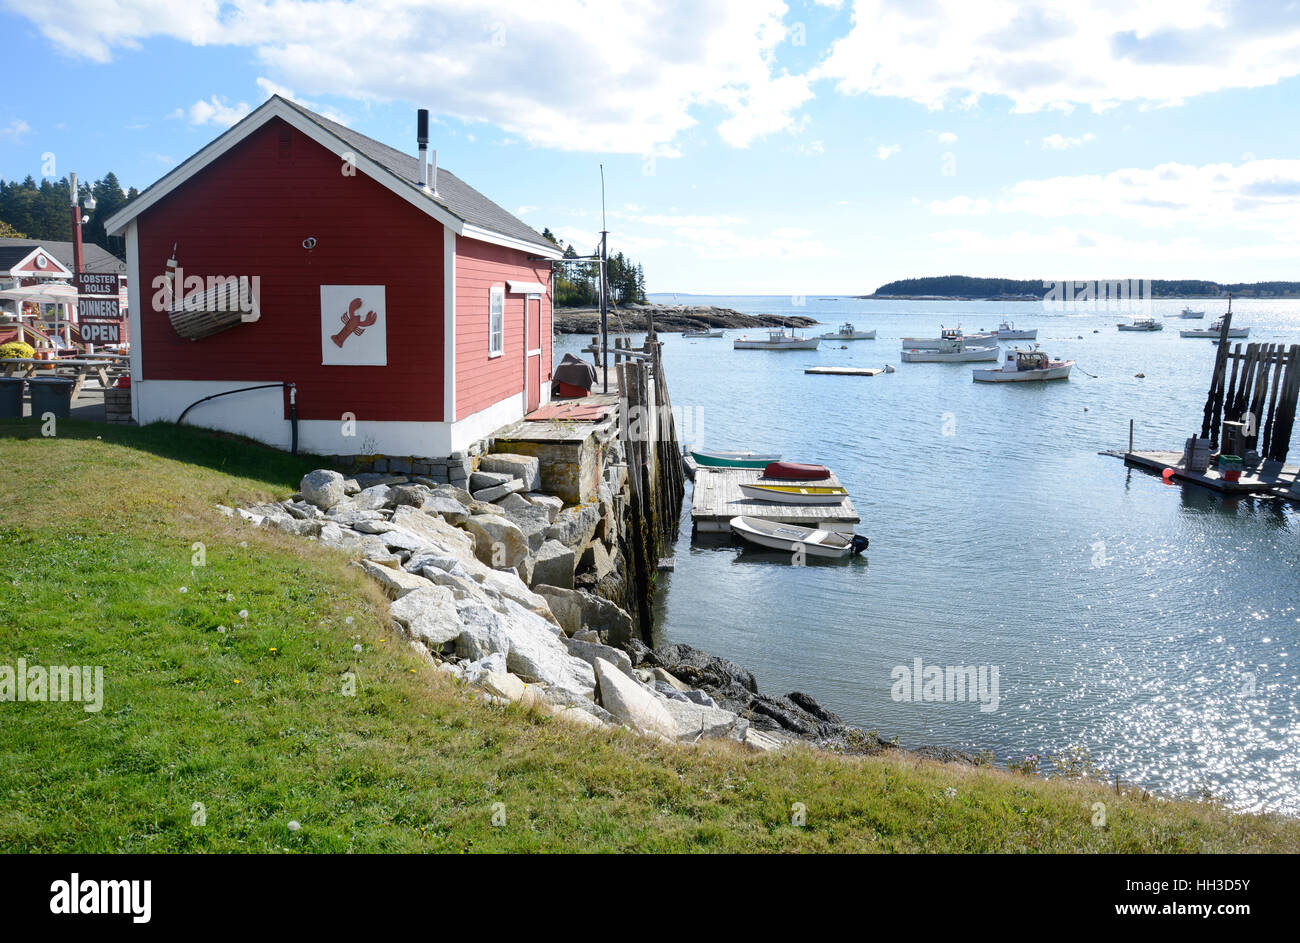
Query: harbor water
[1152, 625]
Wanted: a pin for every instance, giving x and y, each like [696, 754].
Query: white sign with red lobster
[353, 326]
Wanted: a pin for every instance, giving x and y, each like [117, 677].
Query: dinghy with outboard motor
[812, 541]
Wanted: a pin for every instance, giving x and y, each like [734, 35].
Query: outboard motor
[859, 544]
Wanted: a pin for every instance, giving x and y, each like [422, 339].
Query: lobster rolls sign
[353, 326]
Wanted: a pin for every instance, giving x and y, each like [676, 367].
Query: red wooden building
[411, 319]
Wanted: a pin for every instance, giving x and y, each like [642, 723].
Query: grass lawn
[98, 528]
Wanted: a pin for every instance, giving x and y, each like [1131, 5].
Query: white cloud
[621, 77]
[15, 130]
[275, 88]
[947, 137]
[1058, 142]
[813, 148]
[694, 222]
[961, 206]
[1260, 194]
[1062, 53]
[216, 111]
[1070, 252]
[886, 151]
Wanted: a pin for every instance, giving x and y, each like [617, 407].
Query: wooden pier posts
[1260, 392]
[656, 481]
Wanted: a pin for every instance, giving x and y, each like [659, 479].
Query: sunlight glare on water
[1153, 625]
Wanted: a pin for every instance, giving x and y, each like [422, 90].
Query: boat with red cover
[797, 470]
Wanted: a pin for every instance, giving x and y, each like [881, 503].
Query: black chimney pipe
[422, 126]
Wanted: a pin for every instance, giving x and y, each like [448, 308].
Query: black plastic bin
[11, 397]
[51, 395]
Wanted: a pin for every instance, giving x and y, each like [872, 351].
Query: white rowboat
[812, 541]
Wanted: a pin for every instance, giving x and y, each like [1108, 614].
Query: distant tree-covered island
[1009, 289]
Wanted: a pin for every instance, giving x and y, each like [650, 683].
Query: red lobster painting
[353, 323]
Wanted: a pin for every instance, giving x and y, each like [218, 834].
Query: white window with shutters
[496, 321]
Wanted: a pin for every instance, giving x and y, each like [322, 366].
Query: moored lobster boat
[1009, 332]
[948, 334]
[703, 332]
[722, 459]
[847, 332]
[1021, 366]
[777, 339]
[1142, 324]
[1214, 330]
[794, 494]
[813, 541]
[950, 351]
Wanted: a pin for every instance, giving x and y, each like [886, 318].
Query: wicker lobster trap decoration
[220, 303]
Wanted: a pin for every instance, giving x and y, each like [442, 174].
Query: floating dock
[845, 371]
[1268, 477]
[717, 499]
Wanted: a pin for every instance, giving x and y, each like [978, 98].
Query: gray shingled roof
[453, 194]
[93, 257]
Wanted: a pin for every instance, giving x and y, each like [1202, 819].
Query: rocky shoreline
[669, 319]
[486, 584]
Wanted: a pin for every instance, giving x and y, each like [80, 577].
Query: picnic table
[80, 369]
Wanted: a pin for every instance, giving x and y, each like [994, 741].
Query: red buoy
[1167, 475]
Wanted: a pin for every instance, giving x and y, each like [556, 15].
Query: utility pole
[76, 226]
[77, 261]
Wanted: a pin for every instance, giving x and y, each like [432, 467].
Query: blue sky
[749, 146]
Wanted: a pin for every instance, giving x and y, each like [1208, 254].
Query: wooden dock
[717, 499]
[1268, 477]
[845, 371]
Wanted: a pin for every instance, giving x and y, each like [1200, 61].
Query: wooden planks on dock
[717, 499]
[1269, 477]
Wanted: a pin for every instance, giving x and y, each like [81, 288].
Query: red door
[533, 310]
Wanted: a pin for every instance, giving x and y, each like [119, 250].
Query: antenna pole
[604, 288]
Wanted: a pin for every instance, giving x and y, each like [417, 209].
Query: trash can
[11, 397]
[51, 395]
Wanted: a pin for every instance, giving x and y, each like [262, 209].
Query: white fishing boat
[794, 494]
[1021, 366]
[847, 332]
[1009, 332]
[778, 339]
[1142, 324]
[947, 334]
[1214, 330]
[813, 541]
[1189, 314]
[703, 332]
[951, 350]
